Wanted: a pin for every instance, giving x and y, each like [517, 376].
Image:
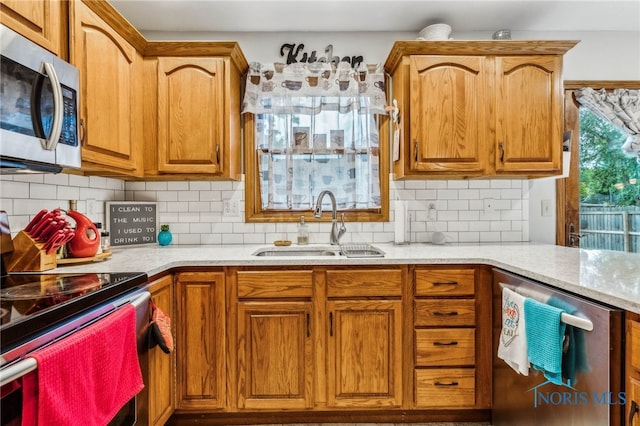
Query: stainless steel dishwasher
[596, 397]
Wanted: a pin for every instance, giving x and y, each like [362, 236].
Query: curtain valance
[303, 88]
[621, 107]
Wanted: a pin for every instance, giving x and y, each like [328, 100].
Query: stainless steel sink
[348, 250]
[298, 251]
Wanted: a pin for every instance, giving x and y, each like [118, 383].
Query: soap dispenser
[303, 233]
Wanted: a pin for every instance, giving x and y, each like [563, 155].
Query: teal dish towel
[545, 334]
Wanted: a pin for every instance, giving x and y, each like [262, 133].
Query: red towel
[86, 378]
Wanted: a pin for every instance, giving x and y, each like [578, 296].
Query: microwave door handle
[58, 108]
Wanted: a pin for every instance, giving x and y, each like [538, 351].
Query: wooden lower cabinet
[161, 365]
[200, 341]
[313, 343]
[275, 355]
[365, 352]
[452, 345]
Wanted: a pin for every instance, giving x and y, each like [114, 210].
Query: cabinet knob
[501, 146]
[218, 154]
[415, 151]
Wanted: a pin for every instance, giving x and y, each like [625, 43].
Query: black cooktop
[32, 303]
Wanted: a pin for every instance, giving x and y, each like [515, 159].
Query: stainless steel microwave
[38, 108]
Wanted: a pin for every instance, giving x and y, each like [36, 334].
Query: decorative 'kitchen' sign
[292, 51]
[131, 223]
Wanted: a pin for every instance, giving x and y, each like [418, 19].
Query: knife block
[28, 255]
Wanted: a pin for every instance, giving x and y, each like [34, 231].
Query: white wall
[195, 208]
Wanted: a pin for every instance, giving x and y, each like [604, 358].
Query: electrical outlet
[545, 207]
[231, 208]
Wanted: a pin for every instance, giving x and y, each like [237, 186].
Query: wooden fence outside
[610, 228]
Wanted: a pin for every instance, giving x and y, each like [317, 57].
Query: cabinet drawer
[445, 347]
[275, 283]
[445, 312]
[635, 345]
[364, 282]
[445, 387]
[445, 282]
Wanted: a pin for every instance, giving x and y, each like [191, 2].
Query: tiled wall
[195, 209]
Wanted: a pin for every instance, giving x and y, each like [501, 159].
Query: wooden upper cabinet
[478, 108]
[190, 127]
[110, 94]
[192, 109]
[447, 114]
[42, 21]
[529, 114]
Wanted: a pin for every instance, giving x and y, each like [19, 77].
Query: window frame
[253, 208]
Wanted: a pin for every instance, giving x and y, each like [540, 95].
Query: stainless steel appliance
[40, 309]
[595, 398]
[38, 108]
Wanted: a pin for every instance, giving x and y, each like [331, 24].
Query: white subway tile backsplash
[156, 186]
[12, 189]
[469, 194]
[177, 186]
[194, 209]
[457, 184]
[447, 194]
[199, 186]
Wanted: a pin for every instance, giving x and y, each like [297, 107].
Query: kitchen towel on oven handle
[86, 378]
[159, 329]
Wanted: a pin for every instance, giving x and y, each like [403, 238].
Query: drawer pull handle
[445, 314]
[446, 384]
[452, 343]
[445, 283]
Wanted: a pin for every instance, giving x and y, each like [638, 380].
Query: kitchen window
[310, 128]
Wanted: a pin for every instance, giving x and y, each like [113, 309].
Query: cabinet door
[529, 114]
[449, 128]
[190, 111]
[160, 386]
[274, 355]
[110, 70]
[38, 20]
[365, 348]
[200, 340]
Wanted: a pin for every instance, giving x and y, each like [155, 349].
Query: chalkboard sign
[131, 222]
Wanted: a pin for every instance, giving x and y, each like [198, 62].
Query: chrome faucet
[336, 233]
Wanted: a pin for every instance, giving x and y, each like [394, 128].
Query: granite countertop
[606, 276]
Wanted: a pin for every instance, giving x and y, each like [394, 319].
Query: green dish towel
[574, 358]
[545, 333]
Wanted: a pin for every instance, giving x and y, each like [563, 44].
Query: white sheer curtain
[621, 107]
[316, 129]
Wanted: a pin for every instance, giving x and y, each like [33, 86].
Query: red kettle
[86, 241]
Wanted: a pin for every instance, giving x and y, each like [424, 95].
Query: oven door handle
[27, 365]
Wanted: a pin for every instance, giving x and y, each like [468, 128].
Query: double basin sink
[346, 250]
